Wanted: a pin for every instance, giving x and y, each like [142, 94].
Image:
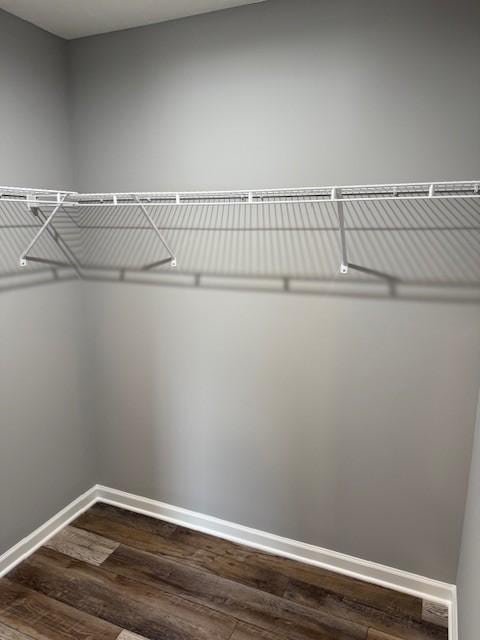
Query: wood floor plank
[247, 632]
[128, 635]
[359, 590]
[82, 545]
[435, 613]
[235, 600]
[369, 594]
[7, 633]
[38, 617]
[262, 578]
[127, 604]
[132, 519]
[399, 625]
[363, 592]
[125, 534]
[178, 533]
[373, 634]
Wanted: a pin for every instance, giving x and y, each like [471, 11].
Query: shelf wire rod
[173, 261]
[337, 197]
[24, 257]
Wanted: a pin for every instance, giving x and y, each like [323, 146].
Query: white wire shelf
[410, 232]
[398, 191]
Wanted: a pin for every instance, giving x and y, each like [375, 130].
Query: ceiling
[78, 18]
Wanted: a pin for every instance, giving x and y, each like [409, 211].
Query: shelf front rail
[359, 193]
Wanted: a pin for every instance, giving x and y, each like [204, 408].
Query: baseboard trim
[453, 616]
[40, 536]
[375, 573]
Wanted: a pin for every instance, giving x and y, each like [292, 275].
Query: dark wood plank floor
[114, 575]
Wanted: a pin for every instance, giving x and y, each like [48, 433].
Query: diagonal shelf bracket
[172, 259]
[24, 258]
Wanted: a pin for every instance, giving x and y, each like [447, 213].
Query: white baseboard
[384, 576]
[39, 537]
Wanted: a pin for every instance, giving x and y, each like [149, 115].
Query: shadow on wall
[415, 250]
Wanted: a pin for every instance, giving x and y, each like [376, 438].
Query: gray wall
[344, 423]
[47, 457]
[282, 93]
[34, 108]
[46, 452]
[468, 581]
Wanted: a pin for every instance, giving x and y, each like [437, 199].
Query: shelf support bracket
[24, 257]
[173, 260]
[337, 197]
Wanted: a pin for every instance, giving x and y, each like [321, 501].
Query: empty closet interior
[239, 320]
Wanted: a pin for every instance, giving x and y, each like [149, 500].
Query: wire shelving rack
[282, 234]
